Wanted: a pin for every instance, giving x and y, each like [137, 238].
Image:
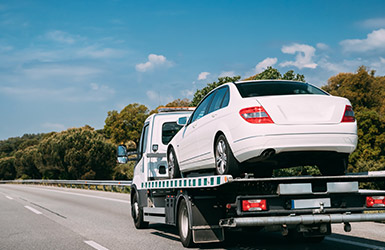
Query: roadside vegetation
[86, 153]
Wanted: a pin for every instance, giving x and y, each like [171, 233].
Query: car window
[268, 88]
[226, 99]
[200, 111]
[169, 130]
[217, 99]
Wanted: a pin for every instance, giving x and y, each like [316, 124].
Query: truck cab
[157, 131]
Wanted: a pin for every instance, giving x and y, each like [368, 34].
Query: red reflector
[253, 205]
[255, 115]
[348, 114]
[375, 201]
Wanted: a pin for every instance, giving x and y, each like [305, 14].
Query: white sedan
[258, 126]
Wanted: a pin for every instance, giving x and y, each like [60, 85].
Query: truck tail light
[253, 205]
[256, 115]
[375, 201]
[348, 114]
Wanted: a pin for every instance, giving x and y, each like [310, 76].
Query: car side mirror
[122, 155]
[182, 121]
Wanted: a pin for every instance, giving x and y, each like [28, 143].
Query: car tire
[185, 232]
[334, 166]
[225, 162]
[173, 166]
[137, 213]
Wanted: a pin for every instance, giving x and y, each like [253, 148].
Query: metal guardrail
[113, 185]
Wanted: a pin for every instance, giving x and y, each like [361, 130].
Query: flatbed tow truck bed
[305, 204]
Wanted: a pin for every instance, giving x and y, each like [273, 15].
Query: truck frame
[204, 206]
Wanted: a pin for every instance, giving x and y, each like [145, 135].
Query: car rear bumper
[253, 146]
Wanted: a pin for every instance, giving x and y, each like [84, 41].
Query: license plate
[310, 203]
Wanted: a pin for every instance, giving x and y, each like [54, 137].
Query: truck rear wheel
[225, 162]
[185, 232]
[173, 166]
[137, 213]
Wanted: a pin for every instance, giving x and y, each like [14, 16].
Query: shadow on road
[269, 240]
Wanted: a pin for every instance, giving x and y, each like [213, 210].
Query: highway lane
[36, 217]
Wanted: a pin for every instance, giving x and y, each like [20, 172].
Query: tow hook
[320, 210]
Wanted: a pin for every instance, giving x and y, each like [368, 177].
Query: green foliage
[124, 171]
[126, 125]
[297, 171]
[78, 153]
[200, 93]
[363, 89]
[370, 152]
[272, 73]
[176, 103]
[366, 92]
[7, 168]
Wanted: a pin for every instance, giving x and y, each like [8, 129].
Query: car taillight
[375, 201]
[254, 205]
[256, 115]
[348, 114]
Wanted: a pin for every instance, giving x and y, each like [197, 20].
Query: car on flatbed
[258, 126]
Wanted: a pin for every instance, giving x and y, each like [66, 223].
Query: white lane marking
[9, 197]
[33, 210]
[84, 195]
[95, 245]
[368, 246]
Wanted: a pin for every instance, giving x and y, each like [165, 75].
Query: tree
[176, 103]
[200, 93]
[78, 153]
[7, 168]
[126, 125]
[272, 73]
[362, 88]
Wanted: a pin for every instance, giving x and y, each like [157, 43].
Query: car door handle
[214, 115]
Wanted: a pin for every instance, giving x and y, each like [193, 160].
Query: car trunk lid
[304, 109]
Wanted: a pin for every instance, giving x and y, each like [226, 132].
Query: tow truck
[202, 207]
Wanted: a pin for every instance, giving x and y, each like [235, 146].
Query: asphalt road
[35, 217]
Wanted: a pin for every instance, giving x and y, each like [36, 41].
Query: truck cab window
[143, 141]
[169, 129]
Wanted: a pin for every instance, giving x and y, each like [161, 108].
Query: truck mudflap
[300, 219]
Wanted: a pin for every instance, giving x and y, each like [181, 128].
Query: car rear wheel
[225, 162]
[173, 166]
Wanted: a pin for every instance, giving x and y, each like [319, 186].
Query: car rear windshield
[267, 88]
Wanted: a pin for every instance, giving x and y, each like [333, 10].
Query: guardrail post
[104, 187]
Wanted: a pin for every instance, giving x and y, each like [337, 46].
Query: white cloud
[95, 52]
[203, 75]
[322, 46]
[54, 126]
[60, 36]
[95, 93]
[374, 41]
[342, 66]
[188, 93]
[44, 71]
[5, 48]
[264, 64]
[304, 56]
[153, 62]
[227, 73]
[374, 23]
[158, 98]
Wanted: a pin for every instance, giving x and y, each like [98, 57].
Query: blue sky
[67, 63]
